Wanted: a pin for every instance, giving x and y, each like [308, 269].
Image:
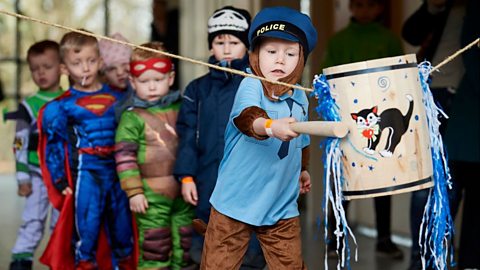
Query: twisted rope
[187, 59]
[241, 73]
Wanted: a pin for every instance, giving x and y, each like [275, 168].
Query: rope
[234, 71]
[457, 53]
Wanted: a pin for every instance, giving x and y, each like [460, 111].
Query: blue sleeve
[187, 128]
[249, 94]
[54, 127]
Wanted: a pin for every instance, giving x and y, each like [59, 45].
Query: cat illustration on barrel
[372, 124]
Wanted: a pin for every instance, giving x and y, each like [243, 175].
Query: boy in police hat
[204, 116]
[258, 179]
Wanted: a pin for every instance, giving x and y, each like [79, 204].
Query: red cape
[59, 253]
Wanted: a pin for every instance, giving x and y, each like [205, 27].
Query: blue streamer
[328, 110]
[436, 230]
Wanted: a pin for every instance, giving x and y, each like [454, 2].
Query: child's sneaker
[21, 265]
[388, 249]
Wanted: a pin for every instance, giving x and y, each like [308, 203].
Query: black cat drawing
[372, 125]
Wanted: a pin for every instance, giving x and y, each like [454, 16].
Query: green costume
[37, 205]
[27, 133]
[146, 145]
[361, 42]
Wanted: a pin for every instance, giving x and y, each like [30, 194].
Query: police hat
[284, 23]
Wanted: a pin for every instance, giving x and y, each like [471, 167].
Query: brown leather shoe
[386, 248]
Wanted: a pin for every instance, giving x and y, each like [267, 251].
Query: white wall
[193, 32]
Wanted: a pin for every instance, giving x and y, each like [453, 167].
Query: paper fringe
[328, 110]
[437, 229]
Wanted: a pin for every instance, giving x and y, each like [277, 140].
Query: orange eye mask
[163, 65]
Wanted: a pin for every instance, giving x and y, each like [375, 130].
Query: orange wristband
[187, 179]
[268, 129]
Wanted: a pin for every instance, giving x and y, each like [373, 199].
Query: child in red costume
[76, 157]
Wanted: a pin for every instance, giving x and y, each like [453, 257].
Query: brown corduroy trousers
[226, 242]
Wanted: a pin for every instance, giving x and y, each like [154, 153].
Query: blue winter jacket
[201, 126]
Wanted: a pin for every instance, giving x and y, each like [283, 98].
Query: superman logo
[97, 104]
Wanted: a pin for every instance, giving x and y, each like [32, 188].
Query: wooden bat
[321, 128]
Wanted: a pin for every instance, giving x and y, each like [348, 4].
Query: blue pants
[466, 185]
[99, 201]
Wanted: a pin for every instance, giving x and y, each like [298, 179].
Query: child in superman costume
[76, 156]
[145, 152]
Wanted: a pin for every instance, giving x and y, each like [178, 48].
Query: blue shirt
[83, 120]
[254, 185]
[201, 125]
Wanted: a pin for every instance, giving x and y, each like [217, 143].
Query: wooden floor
[11, 208]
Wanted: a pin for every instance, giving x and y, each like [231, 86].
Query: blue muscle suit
[79, 127]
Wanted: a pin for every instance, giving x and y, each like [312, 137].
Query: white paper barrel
[387, 150]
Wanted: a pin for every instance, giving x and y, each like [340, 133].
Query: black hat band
[282, 26]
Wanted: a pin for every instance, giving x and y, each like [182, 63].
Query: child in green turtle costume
[146, 145]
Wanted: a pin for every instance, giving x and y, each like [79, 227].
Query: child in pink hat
[116, 69]
[116, 59]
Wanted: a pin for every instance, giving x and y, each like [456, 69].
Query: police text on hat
[284, 23]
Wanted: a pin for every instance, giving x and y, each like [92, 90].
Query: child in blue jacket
[204, 115]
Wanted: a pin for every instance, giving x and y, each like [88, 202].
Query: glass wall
[131, 18]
